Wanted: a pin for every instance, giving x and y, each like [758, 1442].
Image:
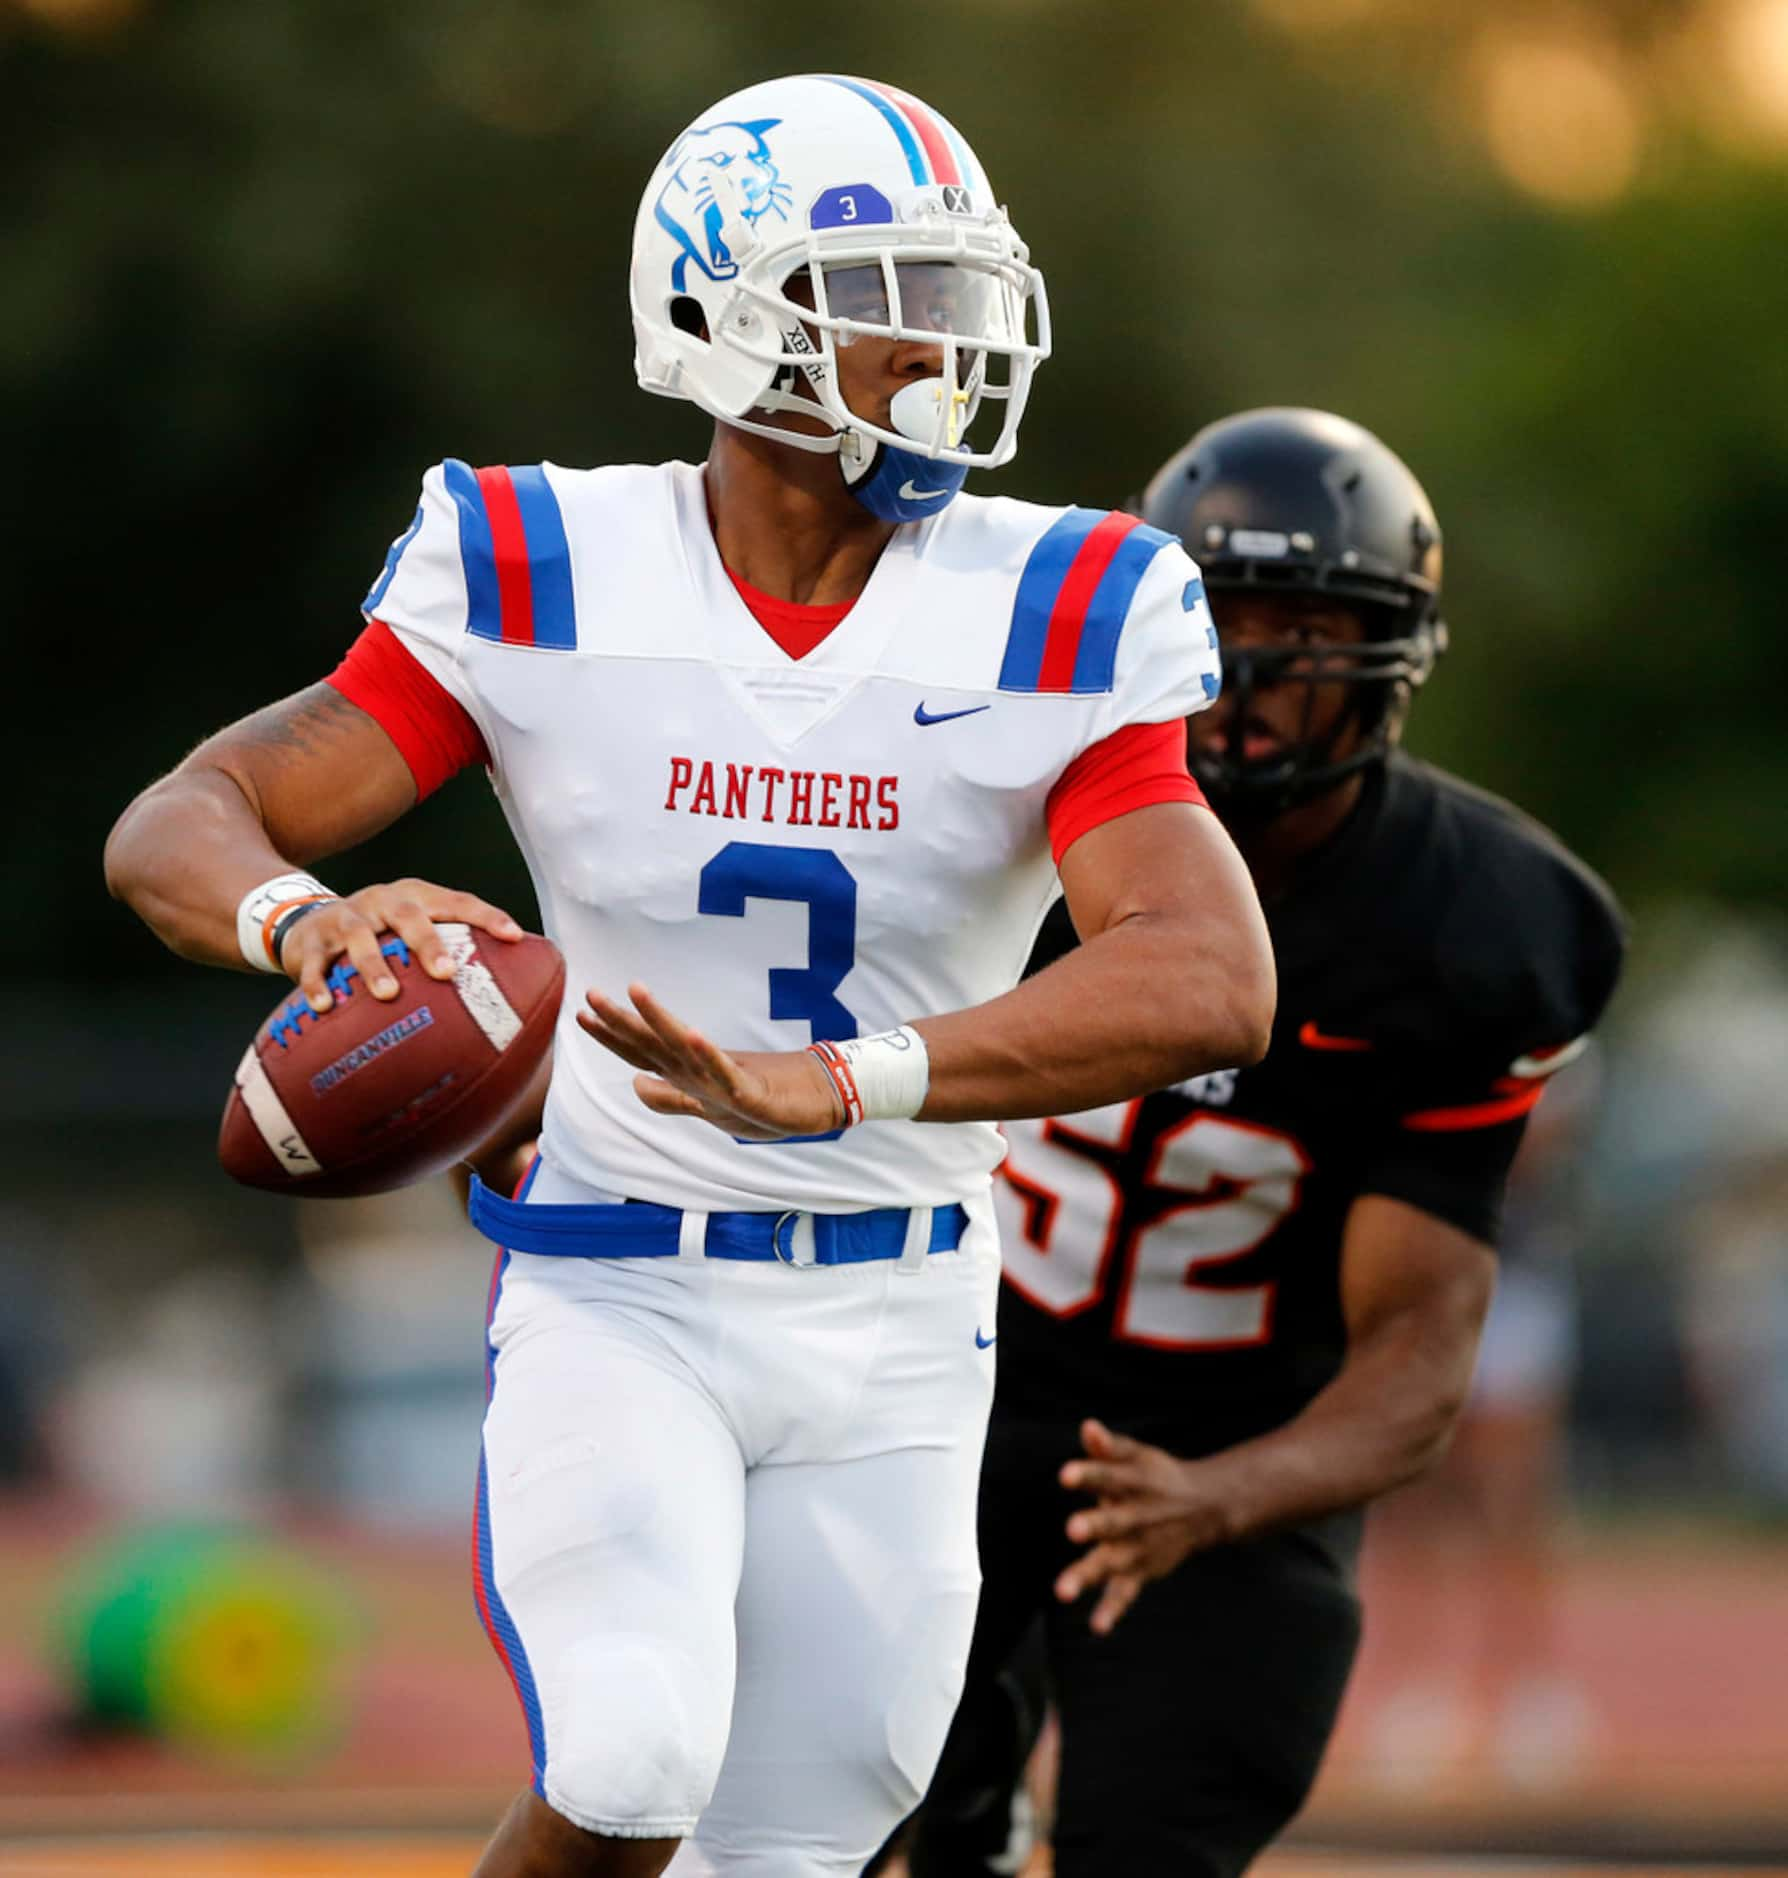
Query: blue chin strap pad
[900, 486]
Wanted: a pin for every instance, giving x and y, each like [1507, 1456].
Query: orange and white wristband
[884, 1078]
[268, 909]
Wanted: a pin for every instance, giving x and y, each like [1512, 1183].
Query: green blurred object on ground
[212, 1638]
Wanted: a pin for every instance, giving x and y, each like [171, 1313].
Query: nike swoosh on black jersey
[1314, 1038]
[923, 716]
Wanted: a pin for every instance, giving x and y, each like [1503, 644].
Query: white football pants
[727, 1540]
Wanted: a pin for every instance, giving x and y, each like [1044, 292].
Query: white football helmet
[804, 213]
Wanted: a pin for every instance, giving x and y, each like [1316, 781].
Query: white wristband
[883, 1078]
[263, 908]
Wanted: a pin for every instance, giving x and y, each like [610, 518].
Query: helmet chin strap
[903, 485]
[894, 485]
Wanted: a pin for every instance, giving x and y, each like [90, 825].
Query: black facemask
[1381, 676]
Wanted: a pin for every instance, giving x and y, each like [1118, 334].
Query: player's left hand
[1149, 1518]
[762, 1095]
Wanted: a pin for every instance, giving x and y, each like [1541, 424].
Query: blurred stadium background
[260, 264]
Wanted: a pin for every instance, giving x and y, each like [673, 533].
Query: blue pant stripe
[506, 1639]
[493, 1613]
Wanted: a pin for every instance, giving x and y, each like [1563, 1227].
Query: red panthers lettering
[812, 798]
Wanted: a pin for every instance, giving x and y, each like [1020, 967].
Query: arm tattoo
[316, 725]
[311, 723]
[316, 770]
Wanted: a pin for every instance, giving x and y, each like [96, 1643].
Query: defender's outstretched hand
[761, 1095]
[1150, 1517]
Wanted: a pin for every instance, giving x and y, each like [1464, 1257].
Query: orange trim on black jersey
[1474, 1114]
[1314, 1039]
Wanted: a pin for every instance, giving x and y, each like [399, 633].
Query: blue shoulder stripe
[549, 559]
[1034, 603]
[517, 560]
[477, 553]
[1095, 666]
[1072, 600]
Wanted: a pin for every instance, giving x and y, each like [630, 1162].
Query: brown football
[372, 1095]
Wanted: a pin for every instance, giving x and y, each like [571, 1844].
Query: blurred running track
[1678, 1640]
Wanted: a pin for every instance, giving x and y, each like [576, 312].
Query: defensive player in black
[1239, 1309]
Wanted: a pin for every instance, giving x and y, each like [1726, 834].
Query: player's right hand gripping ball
[370, 1094]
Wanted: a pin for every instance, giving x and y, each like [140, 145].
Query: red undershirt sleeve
[432, 730]
[1131, 769]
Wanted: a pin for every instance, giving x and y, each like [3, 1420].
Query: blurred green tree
[264, 264]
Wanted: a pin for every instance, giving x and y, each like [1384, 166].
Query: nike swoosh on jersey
[985, 1343]
[923, 716]
[1313, 1039]
[909, 494]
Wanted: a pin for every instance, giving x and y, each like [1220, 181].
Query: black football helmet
[1290, 501]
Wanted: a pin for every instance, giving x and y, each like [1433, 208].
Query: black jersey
[1172, 1262]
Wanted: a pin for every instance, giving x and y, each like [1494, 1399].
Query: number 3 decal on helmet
[805, 213]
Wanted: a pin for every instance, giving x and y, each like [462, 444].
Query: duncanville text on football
[803, 798]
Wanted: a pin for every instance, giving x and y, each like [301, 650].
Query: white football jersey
[780, 850]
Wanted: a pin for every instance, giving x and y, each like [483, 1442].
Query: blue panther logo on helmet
[722, 178]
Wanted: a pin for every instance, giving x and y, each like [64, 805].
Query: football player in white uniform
[740, 1373]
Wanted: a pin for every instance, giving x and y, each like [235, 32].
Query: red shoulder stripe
[1061, 643]
[509, 544]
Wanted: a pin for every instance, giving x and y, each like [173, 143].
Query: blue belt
[639, 1230]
